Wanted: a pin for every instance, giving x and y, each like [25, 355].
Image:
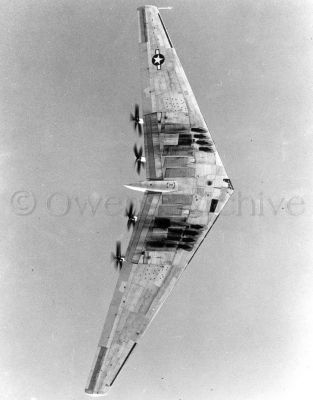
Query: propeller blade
[136, 111]
[139, 129]
[118, 249]
[115, 260]
[129, 212]
[136, 152]
[138, 167]
[140, 152]
[131, 208]
[132, 117]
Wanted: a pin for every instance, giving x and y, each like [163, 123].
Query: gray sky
[238, 326]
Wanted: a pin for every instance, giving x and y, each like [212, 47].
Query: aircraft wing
[170, 225]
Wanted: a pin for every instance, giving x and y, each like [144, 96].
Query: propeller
[117, 257]
[130, 213]
[135, 118]
[139, 162]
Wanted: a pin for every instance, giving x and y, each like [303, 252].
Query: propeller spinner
[135, 118]
[117, 258]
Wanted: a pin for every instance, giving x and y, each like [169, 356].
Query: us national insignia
[158, 59]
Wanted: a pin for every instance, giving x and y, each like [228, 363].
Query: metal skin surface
[171, 224]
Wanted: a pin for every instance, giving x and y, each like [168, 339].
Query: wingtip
[147, 6]
[104, 392]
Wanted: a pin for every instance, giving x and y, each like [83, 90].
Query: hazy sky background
[238, 326]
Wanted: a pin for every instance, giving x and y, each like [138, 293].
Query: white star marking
[157, 59]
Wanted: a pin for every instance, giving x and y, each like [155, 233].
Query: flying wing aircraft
[185, 189]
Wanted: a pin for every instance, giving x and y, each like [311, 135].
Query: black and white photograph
[156, 200]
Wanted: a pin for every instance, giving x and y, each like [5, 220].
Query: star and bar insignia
[158, 59]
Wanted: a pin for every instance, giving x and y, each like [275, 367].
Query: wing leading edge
[171, 225]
